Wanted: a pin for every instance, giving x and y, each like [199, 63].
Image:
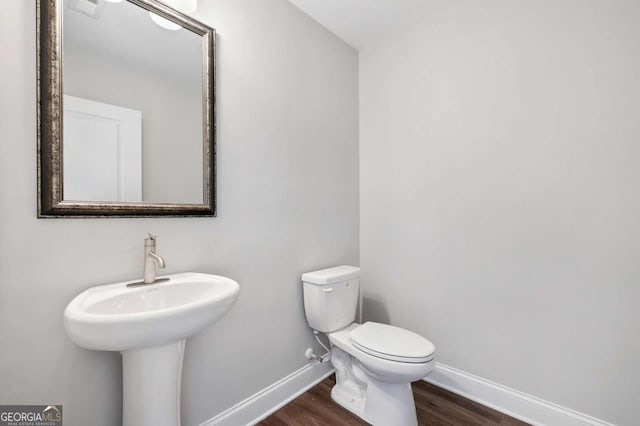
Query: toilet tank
[331, 297]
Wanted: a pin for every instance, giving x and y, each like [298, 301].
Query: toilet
[375, 363]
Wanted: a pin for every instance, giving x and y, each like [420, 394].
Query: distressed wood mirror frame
[50, 118]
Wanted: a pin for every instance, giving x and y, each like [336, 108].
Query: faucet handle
[150, 242]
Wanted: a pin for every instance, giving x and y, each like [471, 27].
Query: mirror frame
[50, 118]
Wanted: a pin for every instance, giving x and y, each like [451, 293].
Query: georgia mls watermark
[30, 415]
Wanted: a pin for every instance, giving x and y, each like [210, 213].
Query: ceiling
[123, 33]
[362, 22]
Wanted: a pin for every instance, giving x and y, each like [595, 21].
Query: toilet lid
[392, 343]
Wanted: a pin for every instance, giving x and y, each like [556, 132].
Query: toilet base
[376, 402]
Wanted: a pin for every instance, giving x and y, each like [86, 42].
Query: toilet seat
[392, 343]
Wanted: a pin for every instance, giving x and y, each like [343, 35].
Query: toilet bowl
[386, 366]
[375, 363]
[376, 389]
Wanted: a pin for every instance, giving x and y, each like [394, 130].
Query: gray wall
[288, 203]
[500, 193]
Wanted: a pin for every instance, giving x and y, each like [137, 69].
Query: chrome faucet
[151, 259]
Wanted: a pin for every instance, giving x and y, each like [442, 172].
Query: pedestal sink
[148, 324]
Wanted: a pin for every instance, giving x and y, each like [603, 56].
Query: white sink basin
[149, 325]
[115, 317]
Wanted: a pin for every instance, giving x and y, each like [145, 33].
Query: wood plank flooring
[435, 407]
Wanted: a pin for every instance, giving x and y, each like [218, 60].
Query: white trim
[514, 403]
[268, 400]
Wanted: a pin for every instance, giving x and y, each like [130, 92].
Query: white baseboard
[516, 404]
[268, 400]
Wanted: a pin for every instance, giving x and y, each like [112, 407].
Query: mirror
[127, 118]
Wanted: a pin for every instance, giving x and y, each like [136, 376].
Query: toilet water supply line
[309, 354]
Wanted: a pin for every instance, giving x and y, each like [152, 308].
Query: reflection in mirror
[132, 107]
[102, 155]
[127, 120]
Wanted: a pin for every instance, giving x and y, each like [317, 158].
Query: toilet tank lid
[331, 275]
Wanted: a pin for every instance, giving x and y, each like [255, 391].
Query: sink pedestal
[152, 379]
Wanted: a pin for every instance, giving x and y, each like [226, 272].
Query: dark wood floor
[435, 407]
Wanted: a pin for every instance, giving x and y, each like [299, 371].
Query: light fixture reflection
[184, 6]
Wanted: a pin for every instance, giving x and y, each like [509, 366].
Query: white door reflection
[102, 156]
